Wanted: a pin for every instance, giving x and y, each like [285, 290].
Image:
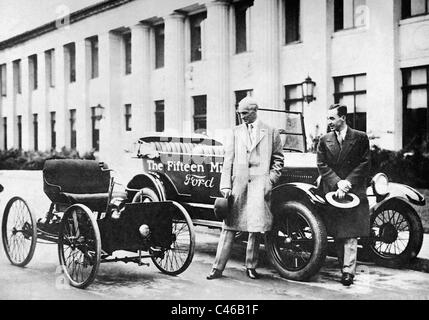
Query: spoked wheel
[396, 234]
[178, 256]
[79, 245]
[19, 232]
[298, 242]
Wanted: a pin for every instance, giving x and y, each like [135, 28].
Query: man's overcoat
[349, 162]
[250, 170]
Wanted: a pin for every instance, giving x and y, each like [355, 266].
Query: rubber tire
[415, 240]
[33, 237]
[94, 225]
[148, 192]
[318, 230]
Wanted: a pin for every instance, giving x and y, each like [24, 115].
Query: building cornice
[51, 26]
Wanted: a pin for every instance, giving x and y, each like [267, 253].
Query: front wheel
[19, 232]
[79, 246]
[297, 244]
[396, 234]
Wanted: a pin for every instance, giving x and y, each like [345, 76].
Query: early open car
[187, 170]
[90, 222]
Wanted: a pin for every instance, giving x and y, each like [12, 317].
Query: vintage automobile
[187, 171]
[89, 222]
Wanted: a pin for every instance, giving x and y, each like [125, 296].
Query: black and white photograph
[229, 151]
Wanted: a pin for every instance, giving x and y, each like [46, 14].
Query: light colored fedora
[350, 200]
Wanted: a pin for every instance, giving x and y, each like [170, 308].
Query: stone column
[62, 124]
[83, 110]
[143, 118]
[384, 76]
[109, 73]
[267, 58]
[25, 108]
[220, 111]
[9, 107]
[42, 107]
[174, 73]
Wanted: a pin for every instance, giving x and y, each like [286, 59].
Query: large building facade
[180, 66]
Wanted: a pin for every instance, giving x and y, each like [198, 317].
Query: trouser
[224, 248]
[347, 254]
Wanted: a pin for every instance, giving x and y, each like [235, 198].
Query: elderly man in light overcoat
[252, 165]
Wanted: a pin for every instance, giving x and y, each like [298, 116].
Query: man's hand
[340, 194]
[226, 192]
[344, 186]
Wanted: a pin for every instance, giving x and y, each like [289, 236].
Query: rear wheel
[79, 246]
[297, 244]
[19, 232]
[175, 259]
[396, 234]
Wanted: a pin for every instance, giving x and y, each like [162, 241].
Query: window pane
[348, 101]
[292, 20]
[195, 22]
[3, 88]
[293, 92]
[418, 76]
[338, 19]
[361, 103]
[360, 12]
[360, 83]
[240, 29]
[417, 99]
[344, 84]
[418, 7]
[159, 46]
[348, 14]
[127, 46]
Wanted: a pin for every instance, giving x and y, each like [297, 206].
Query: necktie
[251, 133]
[340, 138]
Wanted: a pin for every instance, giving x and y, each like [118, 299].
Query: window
[5, 133]
[53, 131]
[93, 43]
[36, 131]
[200, 114]
[95, 128]
[19, 124]
[240, 95]
[128, 117]
[292, 17]
[159, 45]
[32, 66]
[241, 22]
[196, 21]
[17, 76]
[415, 93]
[50, 67]
[411, 8]
[3, 87]
[71, 57]
[127, 48]
[73, 128]
[348, 14]
[351, 91]
[293, 98]
[159, 116]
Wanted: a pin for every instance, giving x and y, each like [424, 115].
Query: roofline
[51, 26]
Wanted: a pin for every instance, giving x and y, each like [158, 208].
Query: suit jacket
[250, 171]
[350, 162]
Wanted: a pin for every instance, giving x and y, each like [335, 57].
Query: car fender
[296, 191]
[149, 180]
[398, 192]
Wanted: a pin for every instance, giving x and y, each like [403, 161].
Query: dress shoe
[347, 279]
[252, 274]
[214, 274]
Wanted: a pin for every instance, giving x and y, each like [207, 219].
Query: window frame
[19, 125]
[159, 113]
[288, 101]
[339, 14]
[354, 93]
[36, 131]
[3, 80]
[194, 33]
[128, 116]
[199, 117]
[404, 14]
[285, 27]
[53, 129]
[127, 45]
[33, 71]
[17, 76]
[408, 88]
[94, 57]
[159, 44]
[73, 131]
[5, 133]
[50, 67]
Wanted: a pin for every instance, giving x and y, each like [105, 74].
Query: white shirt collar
[255, 123]
[342, 132]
